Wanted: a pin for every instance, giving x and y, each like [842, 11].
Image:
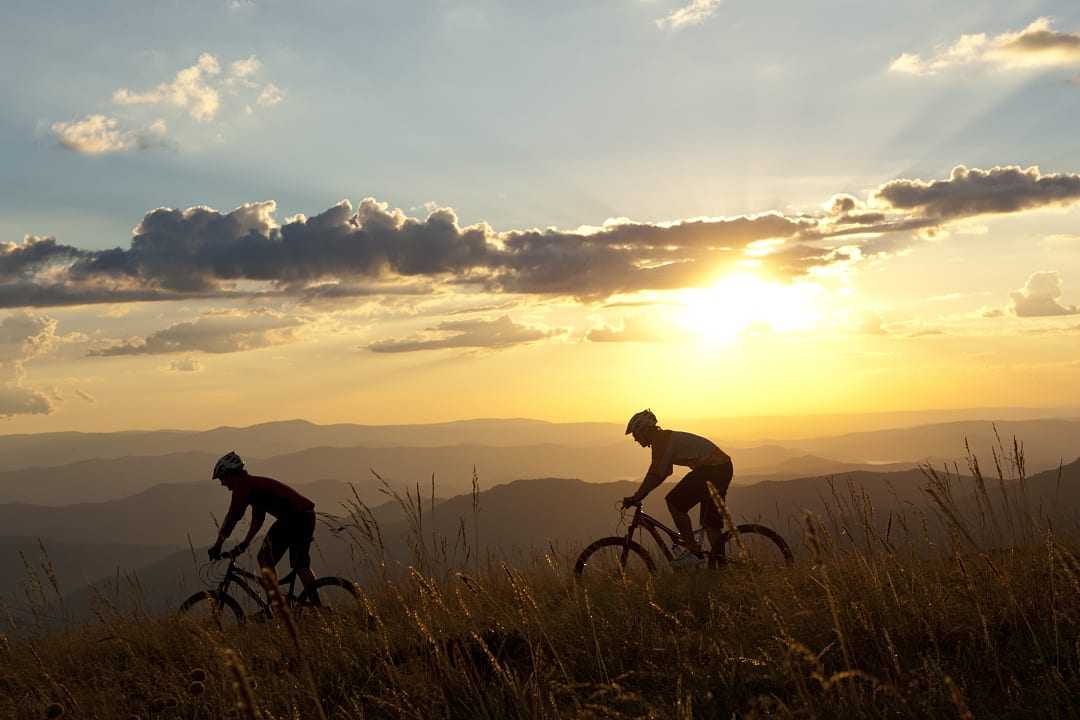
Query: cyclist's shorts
[693, 489]
[293, 533]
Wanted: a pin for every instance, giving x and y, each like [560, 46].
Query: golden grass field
[983, 621]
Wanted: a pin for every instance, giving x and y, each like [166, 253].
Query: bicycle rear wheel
[213, 608]
[331, 596]
[614, 557]
[752, 544]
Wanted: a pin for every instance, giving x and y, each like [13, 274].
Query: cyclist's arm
[659, 470]
[236, 511]
[651, 482]
[258, 515]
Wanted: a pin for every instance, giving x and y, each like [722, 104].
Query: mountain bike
[621, 555]
[236, 597]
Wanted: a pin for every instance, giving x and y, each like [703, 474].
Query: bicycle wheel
[331, 596]
[212, 608]
[755, 545]
[613, 557]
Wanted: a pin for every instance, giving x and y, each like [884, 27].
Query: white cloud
[100, 135]
[271, 95]
[1036, 46]
[23, 337]
[694, 13]
[245, 68]
[1040, 297]
[191, 89]
[93, 135]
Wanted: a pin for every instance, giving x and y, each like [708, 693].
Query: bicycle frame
[238, 576]
[644, 520]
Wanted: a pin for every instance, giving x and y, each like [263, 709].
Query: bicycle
[327, 595]
[755, 543]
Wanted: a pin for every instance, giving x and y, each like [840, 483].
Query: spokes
[756, 549]
[332, 597]
[615, 561]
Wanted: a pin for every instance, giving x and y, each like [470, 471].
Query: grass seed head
[54, 710]
[196, 688]
[198, 675]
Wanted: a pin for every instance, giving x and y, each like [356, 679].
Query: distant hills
[108, 502]
[1047, 443]
[501, 451]
[276, 438]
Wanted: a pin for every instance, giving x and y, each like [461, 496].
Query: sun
[741, 302]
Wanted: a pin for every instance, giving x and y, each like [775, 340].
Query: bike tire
[773, 538]
[221, 600]
[342, 589]
[613, 542]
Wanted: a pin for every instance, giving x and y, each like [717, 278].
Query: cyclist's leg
[302, 533]
[685, 495]
[273, 549]
[712, 517]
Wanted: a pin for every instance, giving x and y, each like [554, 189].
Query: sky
[232, 211]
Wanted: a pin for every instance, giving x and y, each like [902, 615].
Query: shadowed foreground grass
[965, 628]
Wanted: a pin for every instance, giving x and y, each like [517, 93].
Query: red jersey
[266, 495]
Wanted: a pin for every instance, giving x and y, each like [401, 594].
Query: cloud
[871, 323]
[270, 95]
[197, 90]
[24, 337]
[100, 135]
[373, 249]
[1036, 46]
[1040, 297]
[494, 333]
[218, 332]
[17, 399]
[633, 329]
[85, 395]
[186, 365]
[193, 90]
[204, 252]
[971, 192]
[693, 13]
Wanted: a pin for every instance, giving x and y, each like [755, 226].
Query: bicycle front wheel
[753, 544]
[213, 608]
[614, 557]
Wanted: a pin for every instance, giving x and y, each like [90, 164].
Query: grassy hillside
[983, 621]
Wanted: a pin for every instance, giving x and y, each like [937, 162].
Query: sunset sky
[231, 211]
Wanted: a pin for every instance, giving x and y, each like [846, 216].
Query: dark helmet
[229, 462]
[641, 421]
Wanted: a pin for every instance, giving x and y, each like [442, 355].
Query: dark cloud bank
[342, 252]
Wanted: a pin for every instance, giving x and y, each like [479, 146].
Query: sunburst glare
[741, 302]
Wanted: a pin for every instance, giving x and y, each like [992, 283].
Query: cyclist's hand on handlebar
[630, 501]
[214, 553]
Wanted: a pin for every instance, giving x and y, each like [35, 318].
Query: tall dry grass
[966, 607]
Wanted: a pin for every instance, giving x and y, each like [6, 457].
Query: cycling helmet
[641, 421]
[229, 462]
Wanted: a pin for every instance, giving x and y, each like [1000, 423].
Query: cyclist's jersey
[265, 494]
[673, 447]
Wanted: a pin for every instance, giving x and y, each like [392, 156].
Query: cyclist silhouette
[293, 530]
[709, 466]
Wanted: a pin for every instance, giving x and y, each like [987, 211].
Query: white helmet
[229, 462]
[641, 421]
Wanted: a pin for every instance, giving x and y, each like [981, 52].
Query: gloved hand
[238, 549]
[630, 501]
[214, 552]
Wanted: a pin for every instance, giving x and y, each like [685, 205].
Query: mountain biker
[709, 466]
[293, 530]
